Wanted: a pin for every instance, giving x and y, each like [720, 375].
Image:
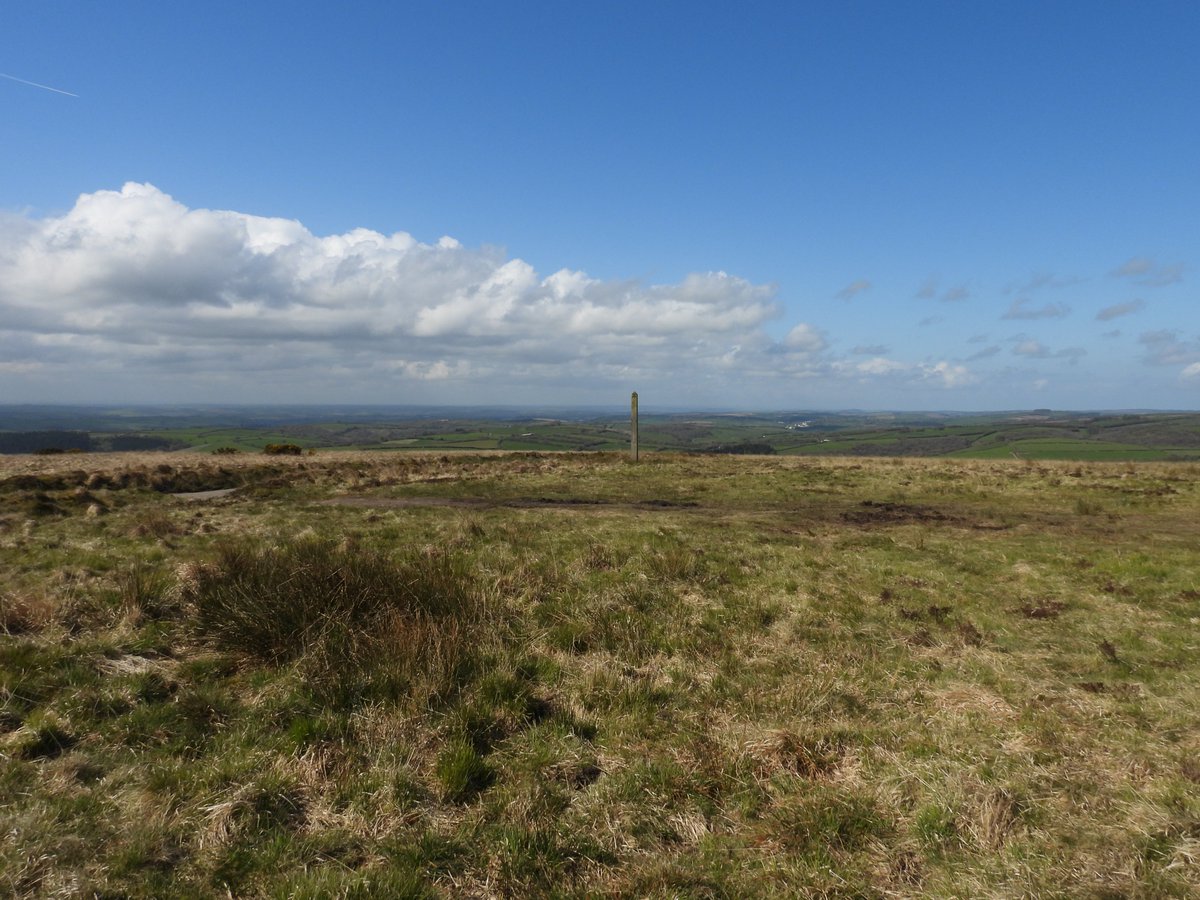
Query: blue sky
[879, 205]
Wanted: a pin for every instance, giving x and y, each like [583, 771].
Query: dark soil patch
[406, 502]
[516, 503]
[871, 512]
[46, 742]
[578, 777]
[1109, 652]
[920, 638]
[971, 636]
[1046, 609]
[554, 501]
[932, 612]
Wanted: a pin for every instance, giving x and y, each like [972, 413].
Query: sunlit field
[512, 675]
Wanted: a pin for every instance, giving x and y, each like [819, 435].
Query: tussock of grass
[360, 621]
[462, 771]
[26, 613]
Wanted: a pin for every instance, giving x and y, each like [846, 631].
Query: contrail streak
[44, 87]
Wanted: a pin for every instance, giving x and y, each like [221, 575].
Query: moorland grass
[717, 677]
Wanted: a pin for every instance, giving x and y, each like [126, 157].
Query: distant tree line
[137, 442]
[62, 441]
[33, 441]
[748, 448]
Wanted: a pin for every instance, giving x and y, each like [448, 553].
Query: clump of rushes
[359, 621]
[463, 772]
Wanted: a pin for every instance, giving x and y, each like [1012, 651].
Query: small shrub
[283, 450]
[226, 451]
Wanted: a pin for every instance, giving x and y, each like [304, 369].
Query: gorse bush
[359, 621]
[283, 450]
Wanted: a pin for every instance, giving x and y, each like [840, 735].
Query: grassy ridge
[549, 673]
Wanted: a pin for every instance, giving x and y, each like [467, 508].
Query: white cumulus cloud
[805, 339]
[948, 374]
[132, 280]
[942, 374]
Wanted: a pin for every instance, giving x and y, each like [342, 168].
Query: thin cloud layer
[1031, 349]
[853, 289]
[985, 353]
[1166, 348]
[1021, 308]
[1120, 309]
[1042, 281]
[930, 289]
[1145, 271]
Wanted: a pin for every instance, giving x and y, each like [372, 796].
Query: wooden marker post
[633, 426]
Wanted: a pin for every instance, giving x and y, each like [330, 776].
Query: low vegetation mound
[357, 620]
[283, 450]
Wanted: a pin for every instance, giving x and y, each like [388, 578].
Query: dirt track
[520, 503]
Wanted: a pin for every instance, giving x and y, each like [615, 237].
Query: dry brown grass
[27, 613]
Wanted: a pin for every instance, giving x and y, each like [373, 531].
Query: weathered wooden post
[633, 425]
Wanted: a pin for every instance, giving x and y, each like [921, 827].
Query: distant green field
[1038, 435]
[1075, 449]
[657, 436]
[246, 439]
